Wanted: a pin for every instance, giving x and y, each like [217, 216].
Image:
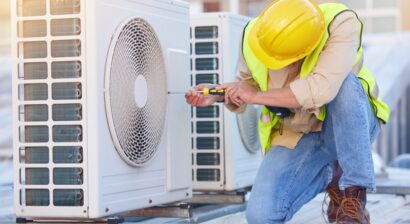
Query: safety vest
[260, 73]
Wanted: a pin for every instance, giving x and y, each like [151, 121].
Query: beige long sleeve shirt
[320, 87]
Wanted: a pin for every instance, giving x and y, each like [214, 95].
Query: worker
[303, 63]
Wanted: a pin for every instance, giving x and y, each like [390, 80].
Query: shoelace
[334, 200]
[351, 207]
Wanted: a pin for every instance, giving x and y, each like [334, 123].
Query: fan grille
[248, 128]
[137, 129]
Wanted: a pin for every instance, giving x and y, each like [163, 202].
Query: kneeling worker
[303, 62]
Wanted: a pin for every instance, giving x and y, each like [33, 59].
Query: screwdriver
[211, 91]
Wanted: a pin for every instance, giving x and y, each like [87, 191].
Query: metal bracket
[199, 207]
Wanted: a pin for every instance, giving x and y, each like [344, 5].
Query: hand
[198, 99]
[240, 92]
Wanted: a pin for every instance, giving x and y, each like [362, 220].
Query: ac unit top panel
[213, 15]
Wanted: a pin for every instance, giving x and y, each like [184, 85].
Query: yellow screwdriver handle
[213, 91]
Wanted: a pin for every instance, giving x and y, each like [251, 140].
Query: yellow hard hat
[286, 31]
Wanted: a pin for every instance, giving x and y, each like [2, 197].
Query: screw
[107, 209]
[150, 201]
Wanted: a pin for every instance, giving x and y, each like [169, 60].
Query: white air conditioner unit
[226, 152]
[100, 123]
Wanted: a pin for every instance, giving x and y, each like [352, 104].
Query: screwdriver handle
[213, 91]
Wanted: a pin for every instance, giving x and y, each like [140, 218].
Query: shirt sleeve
[334, 64]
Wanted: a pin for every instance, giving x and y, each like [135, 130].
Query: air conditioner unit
[100, 123]
[226, 152]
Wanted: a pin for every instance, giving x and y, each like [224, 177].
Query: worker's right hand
[198, 99]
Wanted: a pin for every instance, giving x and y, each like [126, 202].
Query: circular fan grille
[136, 96]
[248, 128]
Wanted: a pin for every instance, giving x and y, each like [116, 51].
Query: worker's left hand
[240, 92]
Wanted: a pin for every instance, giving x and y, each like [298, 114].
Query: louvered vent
[207, 122]
[136, 96]
[51, 100]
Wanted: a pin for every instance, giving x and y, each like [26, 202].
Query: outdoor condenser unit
[226, 152]
[100, 124]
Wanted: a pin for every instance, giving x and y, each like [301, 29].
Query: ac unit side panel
[238, 165]
[122, 186]
[241, 164]
[49, 106]
[230, 49]
[179, 145]
[94, 116]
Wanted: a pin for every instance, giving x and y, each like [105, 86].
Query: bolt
[150, 201]
[107, 209]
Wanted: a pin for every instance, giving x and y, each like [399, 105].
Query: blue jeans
[288, 179]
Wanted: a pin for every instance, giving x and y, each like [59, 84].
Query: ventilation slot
[66, 69]
[66, 91]
[208, 175]
[65, 27]
[34, 155]
[35, 197]
[206, 48]
[207, 78]
[206, 32]
[33, 71]
[63, 7]
[34, 134]
[33, 92]
[35, 28]
[67, 112]
[67, 133]
[65, 48]
[208, 159]
[36, 49]
[203, 64]
[68, 154]
[37, 176]
[31, 7]
[68, 197]
[207, 112]
[68, 176]
[208, 143]
[207, 127]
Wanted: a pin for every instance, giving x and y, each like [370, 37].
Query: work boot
[334, 193]
[352, 207]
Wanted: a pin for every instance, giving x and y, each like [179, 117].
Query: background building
[4, 27]
[377, 15]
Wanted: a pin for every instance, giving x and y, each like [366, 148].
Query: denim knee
[350, 91]
[257, 213]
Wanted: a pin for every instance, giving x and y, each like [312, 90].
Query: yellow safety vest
[260, 73]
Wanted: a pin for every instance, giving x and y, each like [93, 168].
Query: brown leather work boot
[334, 193]
[352, 207]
